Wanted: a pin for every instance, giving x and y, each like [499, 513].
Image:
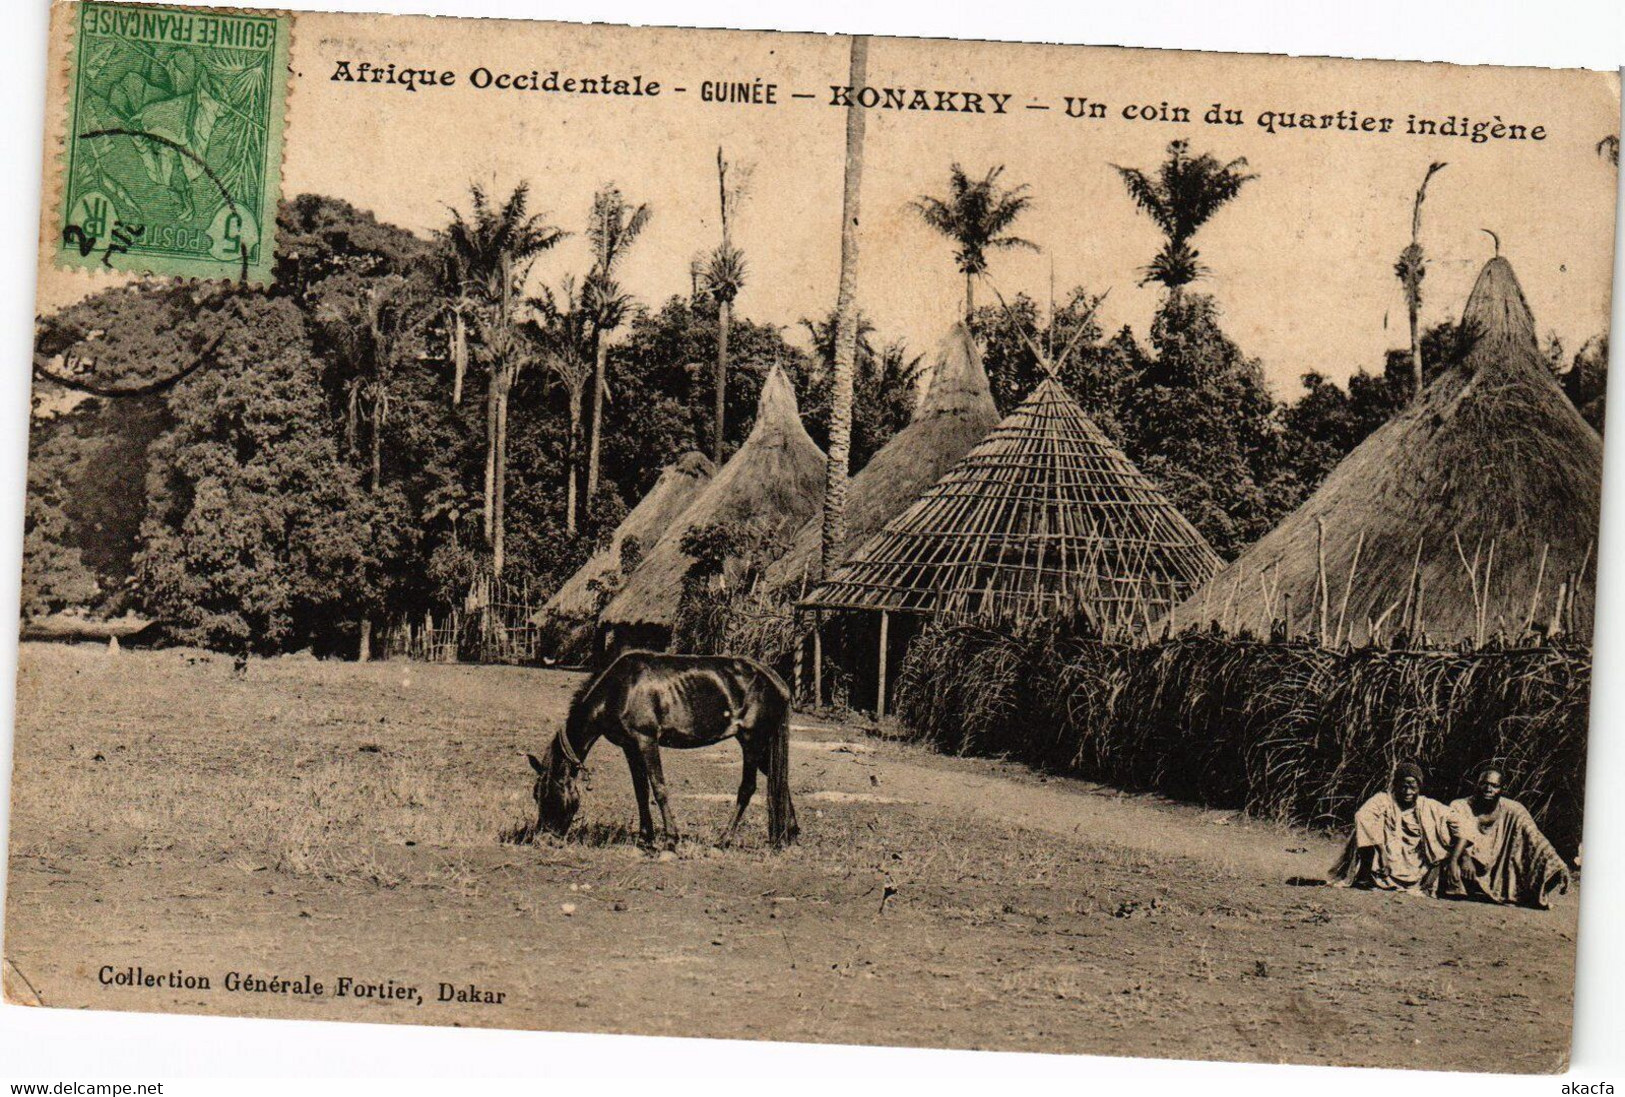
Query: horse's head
[557, 794]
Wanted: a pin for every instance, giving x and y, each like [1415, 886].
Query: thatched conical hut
[775, 481]
[680, 483]
[1471, 513]
[955, 412]
[1045, 515]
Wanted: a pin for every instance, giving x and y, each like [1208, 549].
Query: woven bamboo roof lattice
[1046, 515]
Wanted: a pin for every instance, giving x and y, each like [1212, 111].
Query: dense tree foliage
[1586, 380]
[257, 535]
[299, 467]
[309, 471]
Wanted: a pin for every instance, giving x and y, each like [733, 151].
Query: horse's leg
[657, 782]
[747, 787]
[640, 789]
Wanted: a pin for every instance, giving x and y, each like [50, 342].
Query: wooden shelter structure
[775, 482]
[1470, 514]
[1044, 516]
[679, 484]
[955, 412]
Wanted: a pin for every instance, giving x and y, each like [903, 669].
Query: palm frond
[975, 215]
[724, 274]
[1183, 196]
[1147, 195]
[1007, 243]
[1174, 266]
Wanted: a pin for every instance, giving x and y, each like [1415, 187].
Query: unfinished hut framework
[1044, 517]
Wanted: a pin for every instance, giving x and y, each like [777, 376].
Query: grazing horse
[644, 701]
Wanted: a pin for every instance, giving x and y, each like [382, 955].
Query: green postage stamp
[173, 153]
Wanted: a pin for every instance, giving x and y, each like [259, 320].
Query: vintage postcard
[792, 537]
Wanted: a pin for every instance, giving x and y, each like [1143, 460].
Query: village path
[1016, 795]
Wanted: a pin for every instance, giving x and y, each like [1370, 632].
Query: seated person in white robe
[1500, 855]
[1401, 839]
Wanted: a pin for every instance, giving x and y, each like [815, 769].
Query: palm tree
[976, 215]
[846, 321]
[561, 334]
[367, 326]
[723, 276]
[453, 284]
[822, 334]
[1608, 149]
[1410, 269]
[494, 248]
[612, 227]
[1183, 195]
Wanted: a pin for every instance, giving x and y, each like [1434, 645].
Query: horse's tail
[781, 813]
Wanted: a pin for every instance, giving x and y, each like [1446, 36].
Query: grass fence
[1288, 731]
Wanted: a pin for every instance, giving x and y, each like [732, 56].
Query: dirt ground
[341, 821]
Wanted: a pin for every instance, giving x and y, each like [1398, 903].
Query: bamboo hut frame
[1045, 516]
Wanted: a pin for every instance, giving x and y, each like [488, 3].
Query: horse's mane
[573, 709]
[581, 690]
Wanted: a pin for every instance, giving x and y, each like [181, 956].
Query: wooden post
[818, 659]
[1322, 594]
[880, 696]
[801, 661]
[1348, 591]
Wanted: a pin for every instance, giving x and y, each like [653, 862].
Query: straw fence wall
[1289, 731]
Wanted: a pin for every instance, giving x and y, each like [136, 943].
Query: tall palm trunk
[380, 412]
[725, 316]
[572, 459]
[380, 415]
[459, 356]
[488, 514]
[599, 367]
[1411, 268]
[1416, 353]
[352, 416]
[970, 296]
[501, 350]
[500, 499]
[846, 326]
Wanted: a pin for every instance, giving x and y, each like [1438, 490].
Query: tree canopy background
[315, 472]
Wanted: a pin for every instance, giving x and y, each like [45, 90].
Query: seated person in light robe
[1500, 854]
[1401, 839]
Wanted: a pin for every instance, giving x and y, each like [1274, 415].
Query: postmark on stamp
[173, 153]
